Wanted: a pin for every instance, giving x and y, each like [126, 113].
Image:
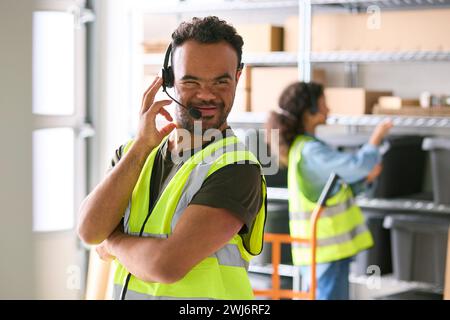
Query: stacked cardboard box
[396, 103]
[261, 37]
[425, 30]
[414, 111]
[155, 46]
[352, 101]
[406, 111]
[267, 83]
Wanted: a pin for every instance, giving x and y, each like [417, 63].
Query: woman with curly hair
[341, 231]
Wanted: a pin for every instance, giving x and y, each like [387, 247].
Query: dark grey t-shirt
[235, 187]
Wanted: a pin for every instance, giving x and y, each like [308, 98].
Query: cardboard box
[440, 111]
[267, 83]
[393, 102]
[155, 46]
[414, 111]
[406, 111]
[261, 37]
[352, 101]
[245, 81]
[389, 31]
[325, 33]
[242, 99]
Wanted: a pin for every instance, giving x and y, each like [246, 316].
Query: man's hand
[104, 248]
[376, 171]
[148, 135]
[103, 253]
[381, 130]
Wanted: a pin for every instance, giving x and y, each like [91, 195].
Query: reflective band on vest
[341, 232]
[223, 275]
[342, 238]
[327, 212]
[133, 295]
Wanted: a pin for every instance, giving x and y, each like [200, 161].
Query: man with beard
[186, 226]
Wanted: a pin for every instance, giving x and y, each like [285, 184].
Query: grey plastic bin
[414, 294]
[419, 247]
[439, 149]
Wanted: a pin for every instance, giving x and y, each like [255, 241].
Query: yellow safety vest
[222, 275]
[341, 231]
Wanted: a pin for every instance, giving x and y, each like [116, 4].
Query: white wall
[110, 70]
[16, 248]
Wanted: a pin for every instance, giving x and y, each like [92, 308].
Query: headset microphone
[194, 113]
[168, 81]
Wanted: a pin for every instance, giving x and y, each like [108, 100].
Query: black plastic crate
[439, 149]
[403, 168]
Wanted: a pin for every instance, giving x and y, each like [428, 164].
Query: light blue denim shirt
[319, 160]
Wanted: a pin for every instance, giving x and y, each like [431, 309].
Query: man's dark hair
[208, 30]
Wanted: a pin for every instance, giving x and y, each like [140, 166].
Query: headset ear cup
[165, 78]
[169, 77]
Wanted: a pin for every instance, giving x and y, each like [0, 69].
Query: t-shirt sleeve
[235, 187]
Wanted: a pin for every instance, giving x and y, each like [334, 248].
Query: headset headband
[166, 57]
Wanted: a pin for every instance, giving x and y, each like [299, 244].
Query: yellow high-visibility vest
[222, 275]
[341, 231]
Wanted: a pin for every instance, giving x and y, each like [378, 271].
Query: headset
[314, 108]
[168, 80]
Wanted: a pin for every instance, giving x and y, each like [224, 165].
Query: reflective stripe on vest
[222, 275]
[301, 255]
[133, 295]
[196, 179]
[126, 218]
[341, 231]
[360, 228]
[327, 212]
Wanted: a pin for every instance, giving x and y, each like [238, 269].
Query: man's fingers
[167, 129]
[150, 94]
[148, 89]
[166, 114]
[156, 107]
[151, 85]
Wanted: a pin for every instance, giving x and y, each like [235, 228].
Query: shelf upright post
[304, 40]
[351, 71]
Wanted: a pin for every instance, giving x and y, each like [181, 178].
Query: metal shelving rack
[397, 205]
[179, 7]
[303, 60]
[291, 59]
[183, 6]
[248, 118]
[383, 4]
[305, 57]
